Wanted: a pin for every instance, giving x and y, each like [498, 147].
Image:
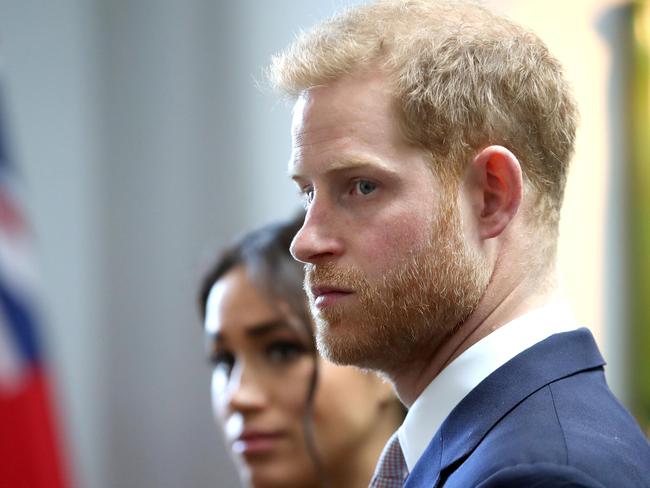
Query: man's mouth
[326, 296]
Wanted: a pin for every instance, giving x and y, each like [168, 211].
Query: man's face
[389, 274]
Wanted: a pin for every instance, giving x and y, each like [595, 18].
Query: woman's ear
[496, 187]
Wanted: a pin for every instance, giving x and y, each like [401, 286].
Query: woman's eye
[284, 352]
[223, 362]
[364, 187]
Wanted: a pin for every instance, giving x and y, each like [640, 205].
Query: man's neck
[493, 311]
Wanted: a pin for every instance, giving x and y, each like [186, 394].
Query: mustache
[331, 275]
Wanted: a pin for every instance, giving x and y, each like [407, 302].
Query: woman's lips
[325, 296]
[256, 443]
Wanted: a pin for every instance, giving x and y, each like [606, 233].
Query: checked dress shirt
[391, 470]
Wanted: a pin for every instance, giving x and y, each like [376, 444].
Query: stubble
[407, 312]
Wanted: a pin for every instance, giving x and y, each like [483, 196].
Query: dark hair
[264, 253]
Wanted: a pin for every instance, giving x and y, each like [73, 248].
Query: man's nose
[316, 240]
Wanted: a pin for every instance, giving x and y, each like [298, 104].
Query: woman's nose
[247, 391]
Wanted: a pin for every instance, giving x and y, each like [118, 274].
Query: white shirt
[464, 373]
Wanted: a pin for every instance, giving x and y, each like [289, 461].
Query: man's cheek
[396, 241]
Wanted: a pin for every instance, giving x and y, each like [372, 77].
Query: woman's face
[262, 368]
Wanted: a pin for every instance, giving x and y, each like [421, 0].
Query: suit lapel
[556, 357]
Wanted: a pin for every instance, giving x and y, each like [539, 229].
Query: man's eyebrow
[354, 163]
[348, 164]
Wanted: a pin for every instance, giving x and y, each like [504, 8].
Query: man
[431, 141]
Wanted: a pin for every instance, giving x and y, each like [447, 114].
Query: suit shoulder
[568, 426]
[600, 435]
[540, 475]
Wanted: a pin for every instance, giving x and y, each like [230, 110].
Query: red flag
[30, 455]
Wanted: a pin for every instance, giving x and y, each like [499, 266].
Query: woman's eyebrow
[256, 330]
[265, 328]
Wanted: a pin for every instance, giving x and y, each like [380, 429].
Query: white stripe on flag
[16, 266]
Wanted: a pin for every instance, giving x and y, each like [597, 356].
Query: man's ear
[497, 188]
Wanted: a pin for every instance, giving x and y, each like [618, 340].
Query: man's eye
[307, 195]
[364, 187]
[283, 352]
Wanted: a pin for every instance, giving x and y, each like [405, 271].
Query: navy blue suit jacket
[546, 418]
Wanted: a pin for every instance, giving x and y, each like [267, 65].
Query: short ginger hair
[463, 78]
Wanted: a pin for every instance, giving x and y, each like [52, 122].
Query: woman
[291, 418]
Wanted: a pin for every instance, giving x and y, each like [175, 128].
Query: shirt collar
[464, 373]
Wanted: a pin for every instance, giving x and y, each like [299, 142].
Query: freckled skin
[355, 120]
[410, 275]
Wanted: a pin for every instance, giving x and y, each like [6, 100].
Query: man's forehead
[313, 106]
[366, 86]
[336, 125]
[319, 124]
[298, 109]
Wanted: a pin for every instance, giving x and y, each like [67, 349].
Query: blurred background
[146, 140]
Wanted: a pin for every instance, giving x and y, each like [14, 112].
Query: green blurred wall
[639, 186]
